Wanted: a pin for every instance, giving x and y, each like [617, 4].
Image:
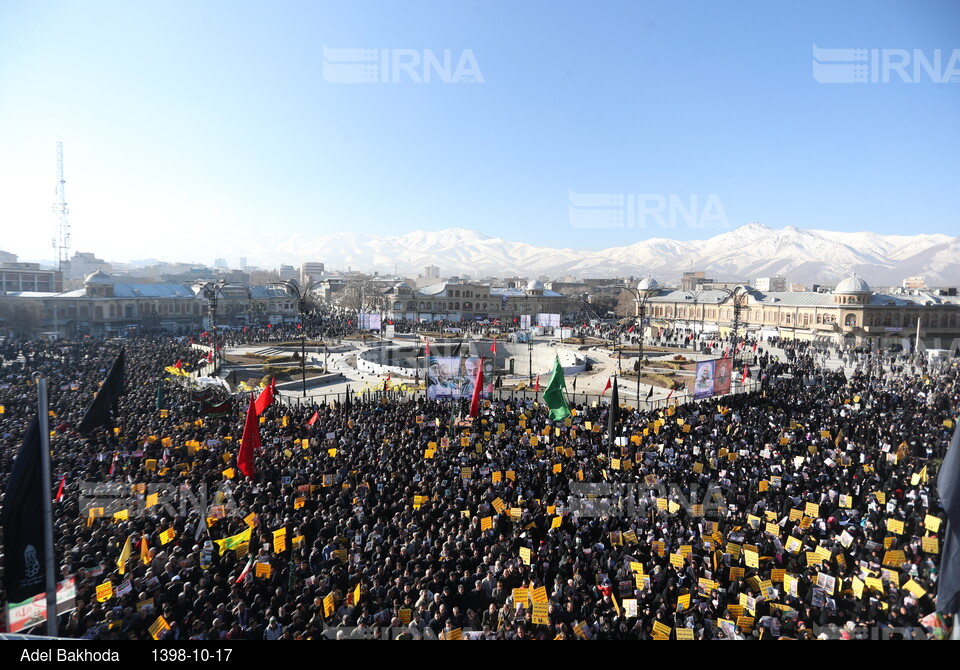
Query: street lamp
[302, 296]
[695, 296]
[739, 297]
[647, 288]
[211, 291]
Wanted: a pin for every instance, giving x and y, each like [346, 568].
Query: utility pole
[61, 243]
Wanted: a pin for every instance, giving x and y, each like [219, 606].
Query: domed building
[98, 284]
[852, 291]
[648, 284]
[850, 314]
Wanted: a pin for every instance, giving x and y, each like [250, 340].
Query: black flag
[23, 531]
[948, 486]
[650, 394]
[613, 418]
[100, 412]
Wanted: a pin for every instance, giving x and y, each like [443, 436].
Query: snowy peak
[745, 253]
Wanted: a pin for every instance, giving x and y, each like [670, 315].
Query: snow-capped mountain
[750, 251]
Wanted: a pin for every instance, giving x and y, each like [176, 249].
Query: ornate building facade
[852, 313]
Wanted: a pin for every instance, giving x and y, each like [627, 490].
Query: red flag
[669, 394]
[179, 363]
[244, 329]
[427, 347]
[386, 383]
[265, 399]
[607, 387]
[725, 352]
[754, 346]
[210, 356]
[746, 372]
[313, 419]
[630, 329]
[494, 347]
[298, 326]
[59, 496]
[537, 387]
[249, 441]
[477, 387]
[269, 325]
[113, 463]
[204, 333]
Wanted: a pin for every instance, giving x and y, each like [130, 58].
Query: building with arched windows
[852, 313]
[454, 300]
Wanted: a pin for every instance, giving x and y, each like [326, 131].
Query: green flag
[554, 396]
[159, 394]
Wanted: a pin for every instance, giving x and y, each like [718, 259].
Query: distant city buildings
[914, 283]
[83, 263]
[29, 277]
[311, 272]
[287, 272]
[777, 283]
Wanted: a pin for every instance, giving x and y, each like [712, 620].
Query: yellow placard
[104, 591]
[280, 540]
[262, 570]
[158, 628]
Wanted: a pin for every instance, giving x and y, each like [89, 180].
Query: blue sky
[183, 122]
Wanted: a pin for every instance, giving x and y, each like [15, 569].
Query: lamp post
[529, 360]
[739, 296]
[211, 291]
[302, 296]
[647, 288]
[695, 296]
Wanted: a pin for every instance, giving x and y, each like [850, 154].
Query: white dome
[648, 284]
[535, 285]
[852, 285]
[97, 278]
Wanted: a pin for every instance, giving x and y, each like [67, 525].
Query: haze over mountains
[750, 251]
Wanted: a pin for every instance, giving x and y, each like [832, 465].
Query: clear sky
[184, 123]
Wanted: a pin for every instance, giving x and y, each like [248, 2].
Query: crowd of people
[805, 509]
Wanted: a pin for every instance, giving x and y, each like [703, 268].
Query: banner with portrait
[454, 377]
[722, 373]
[703, 382]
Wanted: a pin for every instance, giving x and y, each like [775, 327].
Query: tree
[20, 316]
[360, 295]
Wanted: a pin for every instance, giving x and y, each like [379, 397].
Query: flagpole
[51, 582]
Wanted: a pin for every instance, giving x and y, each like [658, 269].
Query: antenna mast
[61, 243]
